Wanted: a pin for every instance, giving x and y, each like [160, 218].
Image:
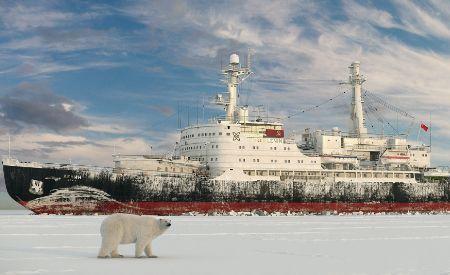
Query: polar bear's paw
[152, 256]
[117, 256]
[103, 257]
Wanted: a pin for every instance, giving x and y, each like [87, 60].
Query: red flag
[424, 127]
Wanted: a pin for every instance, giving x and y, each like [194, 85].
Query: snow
[351, 244]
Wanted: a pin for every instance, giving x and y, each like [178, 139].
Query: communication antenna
[9, 145]
[249, 58]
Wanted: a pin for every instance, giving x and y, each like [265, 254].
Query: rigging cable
[380, 117]
[316, 106]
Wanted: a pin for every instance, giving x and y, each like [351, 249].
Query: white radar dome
[234, 59]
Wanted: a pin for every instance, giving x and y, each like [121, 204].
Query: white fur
[125, 228]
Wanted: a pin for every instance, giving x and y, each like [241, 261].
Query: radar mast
[234, 75]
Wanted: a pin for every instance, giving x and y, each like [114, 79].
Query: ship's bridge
[257, 148]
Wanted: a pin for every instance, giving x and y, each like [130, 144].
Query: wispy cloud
[172, 51]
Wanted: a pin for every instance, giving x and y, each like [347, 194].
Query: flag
[424, 127]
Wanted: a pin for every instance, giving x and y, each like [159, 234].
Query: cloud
[33, 105]
[24, 17]
[167, 111]
[423, 19]
[302, 45]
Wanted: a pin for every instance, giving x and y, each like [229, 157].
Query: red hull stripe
[395, 157]
[178, 208]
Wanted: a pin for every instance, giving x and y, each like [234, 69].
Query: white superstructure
[258, 147]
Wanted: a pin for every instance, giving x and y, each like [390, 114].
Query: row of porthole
[198, 147]
[203, 135]
[423, 155]
[275, 161]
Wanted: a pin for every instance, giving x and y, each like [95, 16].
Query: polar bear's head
[164, 224]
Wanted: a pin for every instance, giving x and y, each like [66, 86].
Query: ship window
[212, 146]
[228, 127]
[220, 133]
[239, 160]
[289, 148]
[228, 134]
[216, 159]
[254, 147]
[275, 160]
[212, 159]
[257, 160]
[217, 146]
[198, 135]
[274, 148]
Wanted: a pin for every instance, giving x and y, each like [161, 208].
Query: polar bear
[125, 228]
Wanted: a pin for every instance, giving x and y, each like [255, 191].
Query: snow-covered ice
[361, 244]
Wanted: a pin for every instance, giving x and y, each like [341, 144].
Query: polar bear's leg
[115, 254]
[110, 244]
[148, 251]
[105, 250]
[139, 249]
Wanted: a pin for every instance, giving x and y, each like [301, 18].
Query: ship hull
[244, 208]
[81, 191]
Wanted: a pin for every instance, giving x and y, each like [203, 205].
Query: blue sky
[78, 78]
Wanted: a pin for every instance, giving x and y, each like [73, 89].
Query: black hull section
[34, 187]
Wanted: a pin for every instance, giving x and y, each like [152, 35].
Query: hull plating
[62, 191]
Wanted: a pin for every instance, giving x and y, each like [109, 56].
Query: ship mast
[234, 75]
[357, 122]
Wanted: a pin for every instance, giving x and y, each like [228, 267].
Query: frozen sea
[384, 244]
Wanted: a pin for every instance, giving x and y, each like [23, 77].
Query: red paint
[274, 133]
[178, 208]
[395, 157]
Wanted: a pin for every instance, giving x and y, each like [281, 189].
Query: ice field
[385, 244]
